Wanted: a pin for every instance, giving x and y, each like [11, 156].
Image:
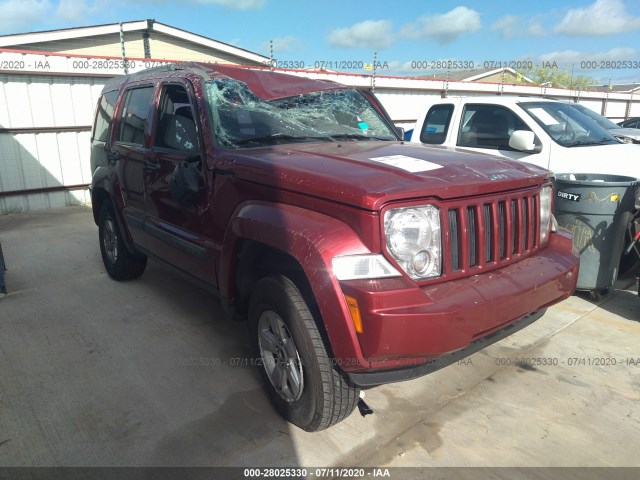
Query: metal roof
[477, 75]
[8, 41]
[624, 88]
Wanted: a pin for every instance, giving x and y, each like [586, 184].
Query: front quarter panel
[313, 239]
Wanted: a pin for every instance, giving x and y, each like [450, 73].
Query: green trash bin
[596, 208]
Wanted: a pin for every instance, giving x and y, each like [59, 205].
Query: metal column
[3, 288]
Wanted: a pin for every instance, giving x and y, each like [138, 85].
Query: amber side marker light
[354, 310]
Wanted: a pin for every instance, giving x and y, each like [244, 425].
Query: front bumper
[405, 326]
[372, 379]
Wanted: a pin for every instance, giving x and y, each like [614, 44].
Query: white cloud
[31, 15]
[280, 45]
[604, 17]
[77, 10]
[513, 26]
[443, 28]
[578, 60]
[397, 67]
[369, 34]
[18, 14]
[508, 26]
[535, 28]
[237, 4]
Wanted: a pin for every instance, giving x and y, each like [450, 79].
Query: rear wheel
[118, 261]
[302, 381]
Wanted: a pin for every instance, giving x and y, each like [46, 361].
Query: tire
[630, 263]
[314, 395]
[118, 261]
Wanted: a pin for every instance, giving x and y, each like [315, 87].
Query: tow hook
[363, 407]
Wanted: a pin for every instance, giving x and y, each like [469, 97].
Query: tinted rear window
[134, 115]
[436, 124]
[104, 115]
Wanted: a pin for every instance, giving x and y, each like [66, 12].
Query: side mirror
[523, 140]
[400, 132]
[185, 182]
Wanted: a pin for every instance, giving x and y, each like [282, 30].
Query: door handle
[151, 166]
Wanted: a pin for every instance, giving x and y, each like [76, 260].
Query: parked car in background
[630, 123]
[357, 258]
[624, 134]
[548, 133]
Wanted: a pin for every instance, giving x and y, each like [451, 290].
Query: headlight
[545, 213]
[356, 267]
[413, 240]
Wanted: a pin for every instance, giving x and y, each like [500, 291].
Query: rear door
[128, 154]
[179, 234]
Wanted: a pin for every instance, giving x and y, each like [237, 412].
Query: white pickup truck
[547, 133]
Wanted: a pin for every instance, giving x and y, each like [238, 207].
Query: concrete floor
[99, 373]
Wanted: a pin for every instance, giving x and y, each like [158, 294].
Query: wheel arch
[101, 192]
[98, 196]
[265, 238]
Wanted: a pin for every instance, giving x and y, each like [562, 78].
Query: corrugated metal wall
[45, 123]
[45, 126]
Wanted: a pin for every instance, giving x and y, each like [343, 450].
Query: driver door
[486, 128]
[180, 234]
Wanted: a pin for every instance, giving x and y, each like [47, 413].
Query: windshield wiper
[281, 136]
[357, 136]
[584, 144]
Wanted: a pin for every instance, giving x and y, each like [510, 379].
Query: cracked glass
[243, 120]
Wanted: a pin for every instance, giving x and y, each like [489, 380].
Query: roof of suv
[264, 83]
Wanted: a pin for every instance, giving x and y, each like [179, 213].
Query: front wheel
[302, 381]
[118, 261]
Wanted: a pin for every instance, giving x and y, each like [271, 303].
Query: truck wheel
[303, 383]
[118, 261]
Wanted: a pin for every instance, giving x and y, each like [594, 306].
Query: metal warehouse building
[50, 82]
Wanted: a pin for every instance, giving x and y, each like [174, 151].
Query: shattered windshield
[566, 125]
[243, 120]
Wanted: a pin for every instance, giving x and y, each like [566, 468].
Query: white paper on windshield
[409, 164]
[543, 116]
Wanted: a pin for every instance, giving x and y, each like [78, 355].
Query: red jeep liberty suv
[357, 259]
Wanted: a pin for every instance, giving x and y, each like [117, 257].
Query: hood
[614, 159]
[372, 173]
[632, 133]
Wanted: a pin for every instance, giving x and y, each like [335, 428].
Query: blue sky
[402, 33]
